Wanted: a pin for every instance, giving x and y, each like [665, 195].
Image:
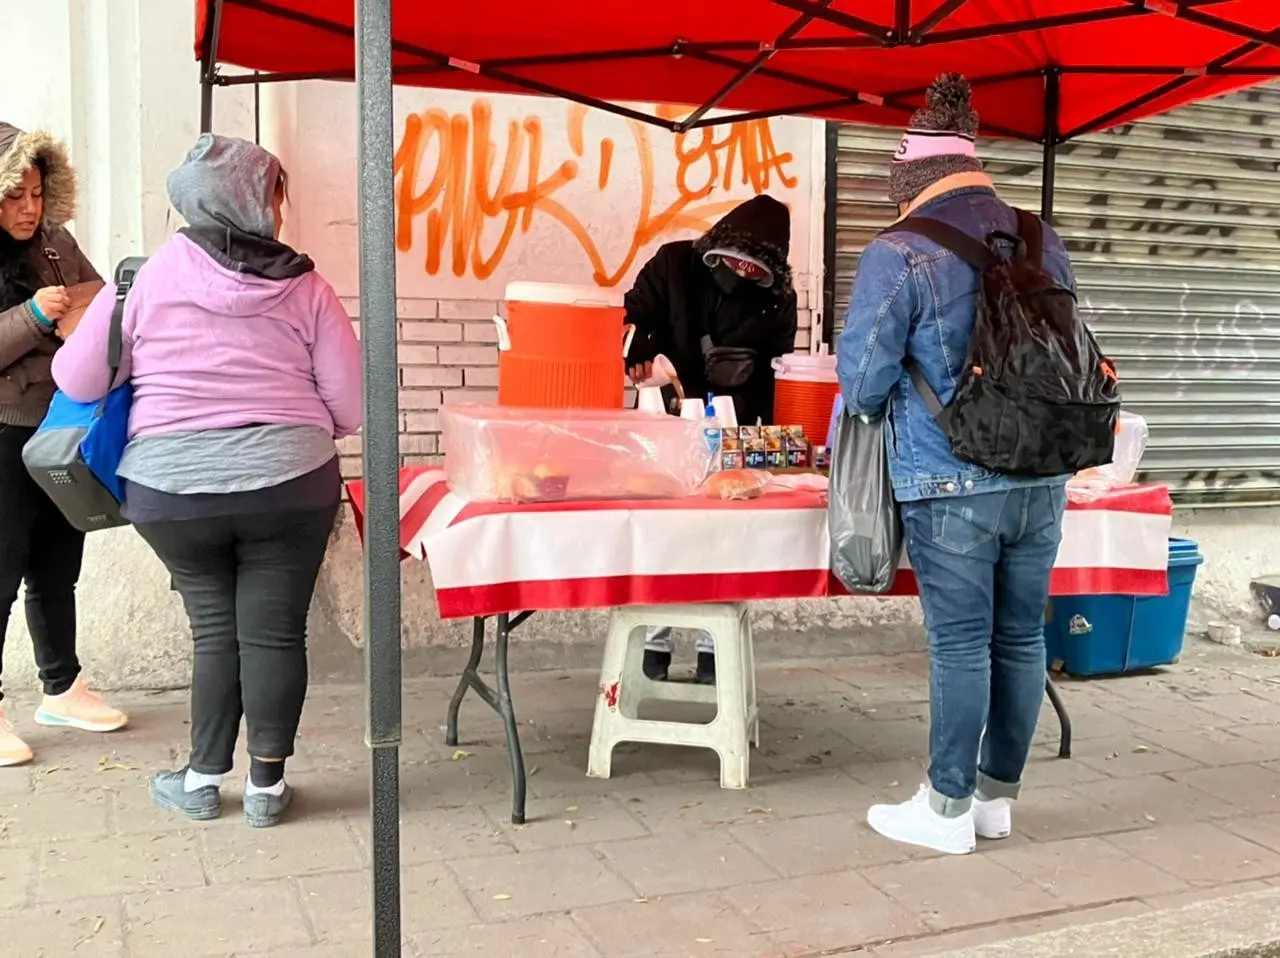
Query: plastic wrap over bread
[1132, 436]
[512, 454]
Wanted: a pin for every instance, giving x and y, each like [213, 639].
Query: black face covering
[726, 279]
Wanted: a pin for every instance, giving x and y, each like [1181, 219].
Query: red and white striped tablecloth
[487, 558]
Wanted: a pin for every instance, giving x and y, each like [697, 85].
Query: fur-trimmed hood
[19, 151]
[760, 228]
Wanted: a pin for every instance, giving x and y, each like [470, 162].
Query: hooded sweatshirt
[684, 293]
[244, 364]
[50, 258]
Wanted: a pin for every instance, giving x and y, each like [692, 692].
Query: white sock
[197, 780]
[277, 789]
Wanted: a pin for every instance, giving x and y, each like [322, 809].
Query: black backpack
[1036, 397]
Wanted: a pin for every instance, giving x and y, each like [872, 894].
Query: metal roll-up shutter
[1174, 230]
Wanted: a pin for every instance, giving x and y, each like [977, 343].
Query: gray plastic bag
[862, 515]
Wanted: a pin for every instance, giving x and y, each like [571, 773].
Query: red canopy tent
[1042, 70]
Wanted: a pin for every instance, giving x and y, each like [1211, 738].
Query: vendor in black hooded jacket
[721, 308]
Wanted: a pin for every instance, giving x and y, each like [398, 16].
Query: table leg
[469, 675]
[500, 700]
[1064, 720]
[507, 710]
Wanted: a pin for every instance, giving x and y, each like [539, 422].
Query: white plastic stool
[623, 686]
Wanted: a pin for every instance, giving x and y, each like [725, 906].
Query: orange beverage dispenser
[562, 347]
[804, 390]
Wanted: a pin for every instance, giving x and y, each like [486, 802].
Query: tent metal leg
[1064, 720]
[1049, 169]
[209, 65]
[498, 699]
[384, 732]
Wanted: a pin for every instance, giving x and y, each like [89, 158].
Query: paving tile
[552, 937]
[672, 864]
[86, 928]
[339, 904]
[1085, 871]
[1250, 788]
[119, 865]
[31, 819]
[556, 880]
[1167, 714]
[437, 834]
[304, 847]
[1046, 770]
[353, 949]
[1054, 814]
[812, 792]
[992, 934]
[215, 922]
[823, 912]
[1128, 755]
[703, 924]
[17, 875]
[1216, 746]
[1154, 799]
[1201, 854]
[1242, 708]
[961, 890]
[821, 843]
[582, 821]
[1262, 829]
[1206, 893]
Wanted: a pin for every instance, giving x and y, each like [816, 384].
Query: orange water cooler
[804, 390]
[562, 347]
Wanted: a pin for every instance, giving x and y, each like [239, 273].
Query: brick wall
[449, 353]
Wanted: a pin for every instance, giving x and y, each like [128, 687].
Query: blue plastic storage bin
[1110, 634]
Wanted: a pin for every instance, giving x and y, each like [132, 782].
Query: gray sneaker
[168, 790]
[263, 810]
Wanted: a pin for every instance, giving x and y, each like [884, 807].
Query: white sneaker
[915, 822]
[993, 819]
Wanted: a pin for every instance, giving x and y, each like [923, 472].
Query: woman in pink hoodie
[245, 368]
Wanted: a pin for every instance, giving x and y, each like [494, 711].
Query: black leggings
[247, 583]
[38, 546]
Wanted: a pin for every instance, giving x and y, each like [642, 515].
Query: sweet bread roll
[736, 484]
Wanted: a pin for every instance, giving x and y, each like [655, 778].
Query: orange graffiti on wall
[477, 181]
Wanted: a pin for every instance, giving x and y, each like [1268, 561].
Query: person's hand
[68, 324]
[640, 372]
[53, 302]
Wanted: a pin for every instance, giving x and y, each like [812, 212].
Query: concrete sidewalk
[1173, 798]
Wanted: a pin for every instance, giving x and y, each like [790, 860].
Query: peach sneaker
[13, 750]
[79, 707]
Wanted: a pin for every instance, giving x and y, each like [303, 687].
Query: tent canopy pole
[376, 138]
[209, 65]
[1048, 171]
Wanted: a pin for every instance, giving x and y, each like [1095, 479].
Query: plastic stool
[623, 686]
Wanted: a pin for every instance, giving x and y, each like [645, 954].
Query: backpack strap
[125, 274]
[931, 400]
[972, 251]
[1031, 232]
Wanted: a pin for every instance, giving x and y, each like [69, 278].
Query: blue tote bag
[74, 455]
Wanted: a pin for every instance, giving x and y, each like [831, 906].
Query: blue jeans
[982, 564]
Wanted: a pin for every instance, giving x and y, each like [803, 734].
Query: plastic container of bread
[512, 454]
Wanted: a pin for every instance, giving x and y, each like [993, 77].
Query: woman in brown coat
[39, 260]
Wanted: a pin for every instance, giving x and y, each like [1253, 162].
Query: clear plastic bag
[513, 454]
[1090, 485]
[862, 515]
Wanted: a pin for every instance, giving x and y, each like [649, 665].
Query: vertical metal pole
[209, 63]
[830, 223]
[1049, 169]
[376, 131]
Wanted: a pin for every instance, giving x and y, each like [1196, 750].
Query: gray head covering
[229, 183]
[947, 121]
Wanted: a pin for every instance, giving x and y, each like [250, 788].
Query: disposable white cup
[649, 399]
[693, 409]
[726, 414]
